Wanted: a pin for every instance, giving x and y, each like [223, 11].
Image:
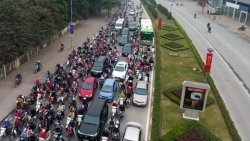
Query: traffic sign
[71, 30]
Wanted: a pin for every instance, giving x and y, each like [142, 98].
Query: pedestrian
[207, 12]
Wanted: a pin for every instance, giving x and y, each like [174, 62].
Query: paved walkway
[230, 24]
[48, 57]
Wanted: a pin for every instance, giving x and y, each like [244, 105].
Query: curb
[151, 116]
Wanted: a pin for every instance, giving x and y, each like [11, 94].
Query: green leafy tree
[109, 4]
[94, 6]
[83, 8]
[62, 8]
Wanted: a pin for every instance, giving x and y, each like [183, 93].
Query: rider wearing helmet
[85, 103]
[6, 124]
[62, 45]
[116, 130]
[39, 65]
[19, 77]
[115, 104]
[105, 133]
[122, 108]
[102, 78]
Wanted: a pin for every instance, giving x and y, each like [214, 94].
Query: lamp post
[209, 59]
[71, 22]
[171, 8]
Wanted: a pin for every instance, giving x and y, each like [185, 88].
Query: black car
[217, 12]
[126, 50]
[94, 121]
[132, 26]
[99, 66]
[124, 39]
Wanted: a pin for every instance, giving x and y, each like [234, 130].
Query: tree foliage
[25, 24]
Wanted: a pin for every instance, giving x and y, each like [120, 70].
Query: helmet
[6, 119]
[22, 96]
[117, 122]
[38, 61]
[114, 101]
[106, 129]
[116, 126]
[61, 137]
[84, 98]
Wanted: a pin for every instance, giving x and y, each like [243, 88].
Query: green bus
[146, 32]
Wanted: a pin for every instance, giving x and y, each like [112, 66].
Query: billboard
[208, 62]
[194, 95]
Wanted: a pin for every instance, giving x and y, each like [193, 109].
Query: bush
[162, 9]
[152, 11]
[153, 2]
[188, 126]
[172, 36]
[169, 16]
[144, 2]
[174, 46]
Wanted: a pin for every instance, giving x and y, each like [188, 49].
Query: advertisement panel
[208, 62]
[194, 98]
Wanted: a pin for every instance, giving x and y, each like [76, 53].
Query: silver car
[133, 132]
[140, 97]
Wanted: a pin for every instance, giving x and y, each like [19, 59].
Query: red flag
[159, 23]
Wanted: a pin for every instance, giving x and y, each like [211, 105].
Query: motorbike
[120, 115]
[17, 82]
[61, 48]
[79, 119]
[38, 105]
[101, 84]
[67, 122]
[113, 111]
[128, 102]
[115, 137]
[74, 89]
[104, 139]
[47, 139]
[146, 78]
[37, 68]
[209, 29]
[242, 28]
[13, 133]
[146, 68]
[3, 132]
[70, 132]
[51, 99]
[140, 77]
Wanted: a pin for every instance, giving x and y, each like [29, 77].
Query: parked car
[133, 132]
[108, 90]
[126, 50]
[132, 26]
[215, 12]
[120, 70]
[124, 39]
[99, 66]
[140, 97]
[94, 121]
[88, 88]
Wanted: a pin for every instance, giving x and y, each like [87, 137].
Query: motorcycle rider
[19, 77]
[82, 110]
[208, 25]
[19, 114]
[85, 103]
[62, 45]
[61, 108]
[115, 104]
[122, 108]
[72, 125]
[31, 123]
[102, 78]
[26, 134]
[39, 65]
[72, 114]
[7, 124]
[37, 82]
[195, 15]
[58, 128]
[58, 117]
[33, 112]
[116, 130]
[17, 125]
[105, 133]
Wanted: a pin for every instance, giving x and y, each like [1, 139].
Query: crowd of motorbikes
[35, 114]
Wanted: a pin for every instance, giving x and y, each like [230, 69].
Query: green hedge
[227, 118]
[177, 100]
[174, 49]
[182, 129]
[163, 9]
[153, 2]
[152, 10]
[172, 36]
[144, 2]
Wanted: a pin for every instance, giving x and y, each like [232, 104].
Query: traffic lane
[229, 87]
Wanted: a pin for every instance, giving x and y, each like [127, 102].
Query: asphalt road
[133, 113]
[230, 66]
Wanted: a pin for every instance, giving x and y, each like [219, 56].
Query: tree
[62, 7]
[83, 8]
[109, 4]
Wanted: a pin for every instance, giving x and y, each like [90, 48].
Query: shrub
[144, 2]
[174, 46]
[153, 2]
[162, 9]
[172, 36]
[188, 126]
[169, 16]
[152, 10]
[169, 28]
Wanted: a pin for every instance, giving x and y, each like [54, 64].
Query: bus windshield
[148, 37]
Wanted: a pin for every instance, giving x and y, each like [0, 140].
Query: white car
[133, 132]
[120, 70]
[132, 12]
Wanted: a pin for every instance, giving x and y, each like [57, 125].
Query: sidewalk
[48, 57]
[230, 24]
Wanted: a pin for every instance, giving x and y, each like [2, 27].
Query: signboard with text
[208, 62]
[71, 30]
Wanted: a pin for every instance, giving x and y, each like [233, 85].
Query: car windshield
[141, 91]
[126, 48]
[91, 120]
[98, 64]
[132, 24]
[118, 24]
[132, 11]
[87, 86]
[123, 38]
[119, 68]
[107, 88]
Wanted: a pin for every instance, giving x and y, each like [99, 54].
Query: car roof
[96, 107]
[142, 84]
[124, 36]
[89, 80]
[132, 131]
[109, 82]
[127, 45]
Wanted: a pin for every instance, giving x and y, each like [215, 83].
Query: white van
[119, 24]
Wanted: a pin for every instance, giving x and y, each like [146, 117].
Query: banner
[159, 23]
[208, 62]
[71, 30]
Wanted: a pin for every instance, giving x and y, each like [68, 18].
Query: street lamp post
[171, 8]
[71, 22]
